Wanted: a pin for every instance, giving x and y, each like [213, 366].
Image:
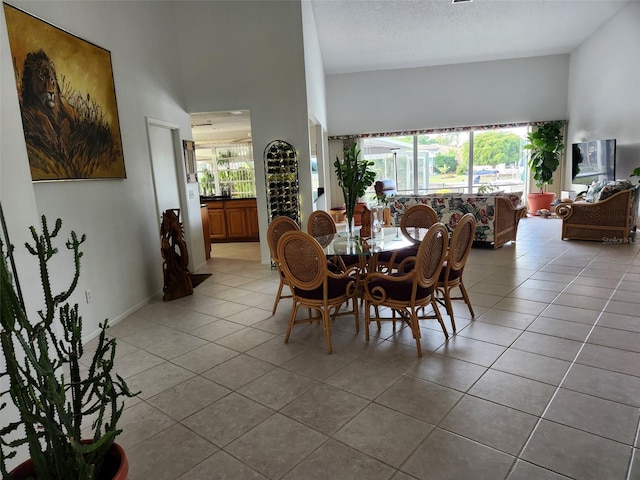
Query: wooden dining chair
[451, 273]
[313, 285]
[408, 294]
[414, 224]
[321, 224]
[277, 228]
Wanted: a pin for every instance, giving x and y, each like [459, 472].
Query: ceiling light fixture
[461, 1]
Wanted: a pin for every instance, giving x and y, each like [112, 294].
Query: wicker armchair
[612, 218]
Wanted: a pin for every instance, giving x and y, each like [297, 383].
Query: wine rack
[281, 173]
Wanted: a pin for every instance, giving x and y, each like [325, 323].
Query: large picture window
[458, 161]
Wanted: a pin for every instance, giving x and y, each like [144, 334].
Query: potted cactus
[58, 401]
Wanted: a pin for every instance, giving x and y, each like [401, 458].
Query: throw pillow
[593, 193]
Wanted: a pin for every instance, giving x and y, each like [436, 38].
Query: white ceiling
[365, 35]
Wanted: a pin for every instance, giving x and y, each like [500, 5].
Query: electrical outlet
[89, 295]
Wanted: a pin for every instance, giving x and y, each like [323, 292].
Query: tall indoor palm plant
[354, 177]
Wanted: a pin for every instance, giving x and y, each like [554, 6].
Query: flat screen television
[593, 160]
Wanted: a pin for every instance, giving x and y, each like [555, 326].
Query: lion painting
[42, 99]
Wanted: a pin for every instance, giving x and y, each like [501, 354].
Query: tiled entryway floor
[543, 384]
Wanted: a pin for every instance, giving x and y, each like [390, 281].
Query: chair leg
[436, 310]
[467, 300]
[275, 304]
[449, 307]
[415, 329]
[367, 319]
[326, 320]
[292, 320]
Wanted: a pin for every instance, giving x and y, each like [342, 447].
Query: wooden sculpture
[177, 282]
[365, 230]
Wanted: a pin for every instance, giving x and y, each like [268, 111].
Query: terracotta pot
[116, 466]
[539, 201]
[357, 213]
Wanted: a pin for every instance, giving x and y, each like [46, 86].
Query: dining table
[366, 249]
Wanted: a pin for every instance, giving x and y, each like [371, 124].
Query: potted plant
[546, 147]
[58, 401]
[354, 176]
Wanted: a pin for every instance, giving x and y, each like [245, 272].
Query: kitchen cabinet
[233, 220]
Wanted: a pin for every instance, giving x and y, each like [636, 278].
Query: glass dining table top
[390, 239]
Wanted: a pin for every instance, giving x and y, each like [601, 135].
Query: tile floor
[543, 384]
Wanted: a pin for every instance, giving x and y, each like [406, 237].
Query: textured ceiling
[364, 35]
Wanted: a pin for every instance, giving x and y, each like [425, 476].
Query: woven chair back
[461, 241]
[302, 260]
[431, 254]
[321, 224]
[416, 221]
[278, 227]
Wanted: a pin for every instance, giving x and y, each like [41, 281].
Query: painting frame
[67, 99]
[190, 165]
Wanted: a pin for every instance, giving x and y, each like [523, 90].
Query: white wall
[249, 55]
[122, 264]
[604, 96]
[470, 94]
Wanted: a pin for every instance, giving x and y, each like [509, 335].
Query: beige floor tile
[337, 461]
[277, 388]
[507, 319]
[411, 396]
[188, 397]
[595, 415]
[277, 352]
[168, 455]
[276, 445]
[588, 291]
[513, 391]
[611, 337]
[528, 471]
[560, 328]
[533, 294]
[135, 362]
[245, 339]
[141, 422]
[221, 466]
[580, 301]
[439, 456]
[497, 426]
[249, 316]
[205, 357]
[488, 332]
[384, 434]
[548, 345]
[325, 408]
[623, 322]
[621, 361]
[316, 364]
[238, 371]
[364, 379]
[216, 329]
[448, 371]
[532, 366]
[606, 384]
[470, 350]
[157, 379]
[572, 314]
[227, 419]
[575, 453]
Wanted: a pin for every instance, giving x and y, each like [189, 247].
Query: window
[459, 161]
[226, 170]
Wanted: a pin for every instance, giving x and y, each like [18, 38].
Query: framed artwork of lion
[67, 101]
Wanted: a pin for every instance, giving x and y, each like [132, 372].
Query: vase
[351, 234]
[115, 467]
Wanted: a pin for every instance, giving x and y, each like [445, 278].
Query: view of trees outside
[441, 161]
[226, 169]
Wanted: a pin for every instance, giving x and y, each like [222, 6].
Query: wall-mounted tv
[593, 160]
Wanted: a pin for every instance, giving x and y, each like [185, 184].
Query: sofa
[497, 214]
[608, 213]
